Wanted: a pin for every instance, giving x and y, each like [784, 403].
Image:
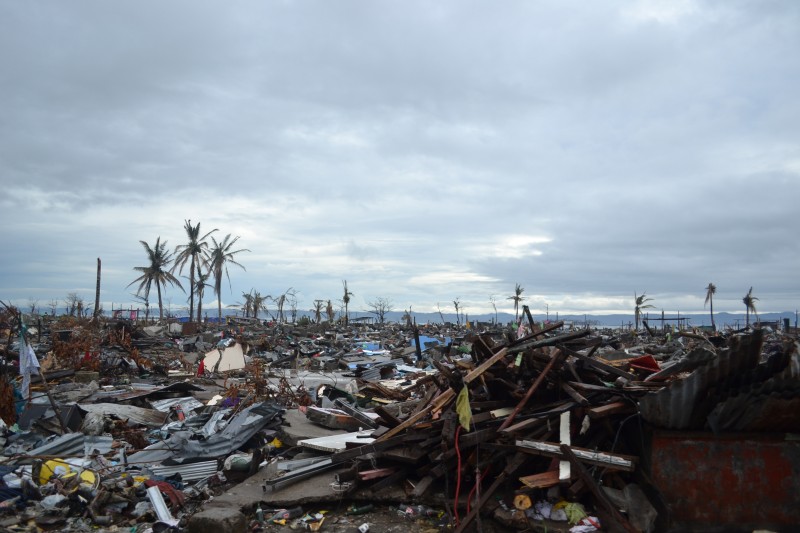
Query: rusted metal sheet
[332, 418]
[735, 480]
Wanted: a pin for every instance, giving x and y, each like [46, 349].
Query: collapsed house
[555, 430]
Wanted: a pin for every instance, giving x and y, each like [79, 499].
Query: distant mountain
[613, 320]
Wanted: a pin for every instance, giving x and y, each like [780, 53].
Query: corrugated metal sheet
[239, 429]
[187, 403]
[681, 405]
[188, 472]
[141, 390]
[71, 444]
[139, 415]
[772, 405]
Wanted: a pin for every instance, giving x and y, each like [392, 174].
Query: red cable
[458, 476]
[469, 496]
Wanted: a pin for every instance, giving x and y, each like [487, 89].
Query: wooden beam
[386, 416]
[575, 395]
[609, 460]
[603, 366]
[552, 341]
[609, 409]
[541, 481]
[521, 405]
[443, 399]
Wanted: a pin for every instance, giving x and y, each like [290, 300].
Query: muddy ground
[383, 519]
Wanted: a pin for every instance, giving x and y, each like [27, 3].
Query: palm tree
[711, 290]
[247, 306]
[280, 301]
[193, 252]
[517, 297]
[146, 301]
[329, 311]
[318, 310]
[641, 303]
[156, 272]
[259, 303]
[346, 300]
[200, 288]
[750, 305]
[219, 257]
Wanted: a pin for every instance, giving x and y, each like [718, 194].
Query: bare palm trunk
[199, 297]
[191, 291]
[97, 291]
[160, 305]
[713, 325]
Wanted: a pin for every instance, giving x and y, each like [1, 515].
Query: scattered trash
[123, 427]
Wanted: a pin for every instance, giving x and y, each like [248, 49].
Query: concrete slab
[316, 489]
[216, 519]
[297, 427]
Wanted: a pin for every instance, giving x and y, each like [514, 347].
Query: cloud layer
[423, 152]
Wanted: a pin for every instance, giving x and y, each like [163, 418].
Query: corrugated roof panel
[677, 406]
[188, 472]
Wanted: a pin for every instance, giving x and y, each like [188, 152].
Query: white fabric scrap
[28, 364]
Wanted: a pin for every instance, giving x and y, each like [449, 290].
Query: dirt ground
[381, 519]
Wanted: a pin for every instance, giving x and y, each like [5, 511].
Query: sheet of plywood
[230, 358]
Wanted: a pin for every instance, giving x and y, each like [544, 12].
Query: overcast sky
[422, 151]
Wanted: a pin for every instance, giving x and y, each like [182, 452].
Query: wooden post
[53, 404]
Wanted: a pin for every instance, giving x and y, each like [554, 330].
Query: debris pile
[316, 426]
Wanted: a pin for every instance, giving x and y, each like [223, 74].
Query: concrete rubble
[257, 426]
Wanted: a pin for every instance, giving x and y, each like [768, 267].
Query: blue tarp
[426, 341]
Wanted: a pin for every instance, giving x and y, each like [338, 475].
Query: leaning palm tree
[220, 255]
[156, 272]
[641, 303]
[517, 297]
[259, 303]
[193, 253]
[750, 305]
[346, 301]
[711, 290]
